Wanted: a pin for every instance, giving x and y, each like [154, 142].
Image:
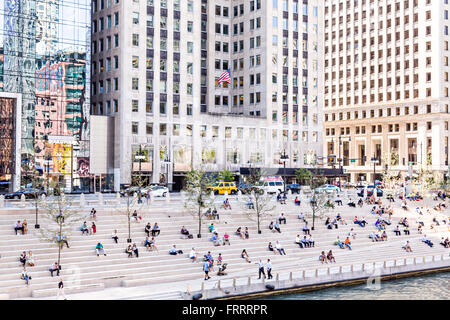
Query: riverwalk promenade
[158, 275]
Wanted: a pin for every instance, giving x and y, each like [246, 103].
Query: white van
[273, 186]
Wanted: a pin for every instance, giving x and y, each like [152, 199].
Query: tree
[59, 219]
[198, 194]
[134, 203]
[261, 203]
[321, 200]
[390, 160]
[304, 176]
[36, 185]
[227, 176]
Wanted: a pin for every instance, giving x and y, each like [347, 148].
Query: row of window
[387, 112]
[215, 132]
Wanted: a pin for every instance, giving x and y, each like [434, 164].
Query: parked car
[78, 190]
[158, 191]
[244, 188]
[221, 187]
[295, 188]
[369, 191]
[327, 188]
[29, 194]
[130, 191]
[273, 186]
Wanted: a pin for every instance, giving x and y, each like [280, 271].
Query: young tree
[133, 204]
[227, 176]
[304, 176]
[59, 219]
[321, 200]
[260, 204]
[198, 194]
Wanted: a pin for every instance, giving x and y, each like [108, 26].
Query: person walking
[269, 269]
[261, 269]
[61, 289]
[206, 267]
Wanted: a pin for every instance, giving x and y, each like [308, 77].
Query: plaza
[158, 275]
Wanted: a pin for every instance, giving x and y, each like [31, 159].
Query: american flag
[225, 77]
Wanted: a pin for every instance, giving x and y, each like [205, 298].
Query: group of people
[155, 231]
[278, 247]
[361, 222]
[304, 242]
[132, 249]
[328, 257]
[343, 245]
[88, 230]
[243, 234]
[212, 214]
[27, 259]
[21, 226]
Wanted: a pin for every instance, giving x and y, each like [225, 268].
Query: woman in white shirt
[193, 255]
[30, 259]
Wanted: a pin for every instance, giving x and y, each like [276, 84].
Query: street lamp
[140, 157]
[284, 157]
[340, 159]
[374, 160]
[47, 162]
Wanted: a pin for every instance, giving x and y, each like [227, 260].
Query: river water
[430, 287]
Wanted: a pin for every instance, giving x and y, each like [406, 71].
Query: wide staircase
[83, 270]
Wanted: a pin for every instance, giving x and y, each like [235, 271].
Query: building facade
[386, 86]
[44, 91]
[155, 69]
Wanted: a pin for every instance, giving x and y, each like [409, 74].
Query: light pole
[284, 157]
[140, 157]
[47, 163]
[340, 159]
[374, 160]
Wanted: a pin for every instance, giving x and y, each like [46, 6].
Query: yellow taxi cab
[221, 187]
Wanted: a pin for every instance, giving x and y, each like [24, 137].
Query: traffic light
[331, 159]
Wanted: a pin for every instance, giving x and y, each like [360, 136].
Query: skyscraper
[386, 86]
[45, 90]
[156, 65]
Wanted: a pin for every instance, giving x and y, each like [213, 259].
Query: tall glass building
[44, 91]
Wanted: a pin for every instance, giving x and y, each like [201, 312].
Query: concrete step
[40, 293]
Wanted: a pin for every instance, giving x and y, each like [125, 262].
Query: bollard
[340, 269]
[374, 264]
[100, 199]
[82, 201]
[317, 273]
[249, 280]
[188, 289]
[363, 268]
[219, 284]
[168, 197]
[384, 264]
[415, 260]
[290, 276]
[303, 274]
[203, 287]
[404, 261]
[351, 269]
[328, 271]
[277, 277]
[234, 283]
